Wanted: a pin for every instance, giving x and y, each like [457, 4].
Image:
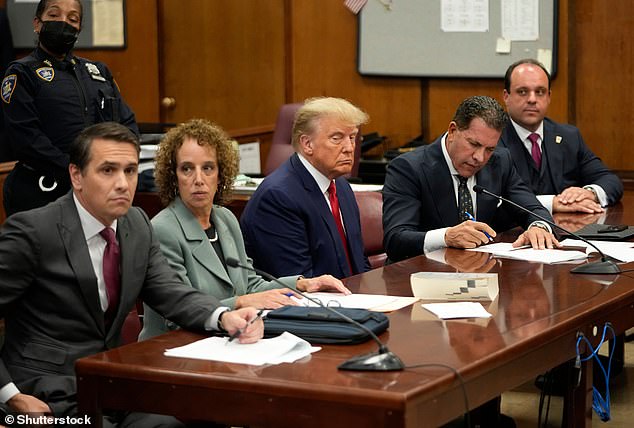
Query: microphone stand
[382, 360]
[605, 266]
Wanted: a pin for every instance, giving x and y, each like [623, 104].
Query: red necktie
[536, 152]
[111, 275]
[334, 206]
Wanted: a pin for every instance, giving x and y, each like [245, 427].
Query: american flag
[355, 5]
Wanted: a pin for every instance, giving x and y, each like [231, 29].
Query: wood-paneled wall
[317, 53]
[136, 68]
[603, 80]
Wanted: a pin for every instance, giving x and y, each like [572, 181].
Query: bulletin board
[445, 38]
[103, 24]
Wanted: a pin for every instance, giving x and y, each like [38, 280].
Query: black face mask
[58, 37]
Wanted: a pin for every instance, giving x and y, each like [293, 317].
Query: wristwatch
[594, 192]
[220, 326]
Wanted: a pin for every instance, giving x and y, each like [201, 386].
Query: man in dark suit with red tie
[551, 157]
[303, 219]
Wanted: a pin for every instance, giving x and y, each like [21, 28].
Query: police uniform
[47, 103]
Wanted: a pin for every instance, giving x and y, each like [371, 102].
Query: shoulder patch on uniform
[94, 72]
[45, 73]
[8, 85]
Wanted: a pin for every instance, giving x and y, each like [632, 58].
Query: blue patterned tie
[465, 203]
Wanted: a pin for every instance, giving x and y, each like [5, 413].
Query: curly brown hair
[205, 133]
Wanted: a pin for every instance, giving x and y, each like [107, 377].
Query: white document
[622, 251]
[250, 158]
[246, 185]
[374, 302]
[464, 15]
[548, 256]
[520, 20]
[457, 310]
[285, 348]
[545, 256]
[366, 187]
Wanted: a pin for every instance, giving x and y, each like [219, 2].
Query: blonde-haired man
[303, 219]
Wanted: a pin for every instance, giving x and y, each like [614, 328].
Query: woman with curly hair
[196, 164]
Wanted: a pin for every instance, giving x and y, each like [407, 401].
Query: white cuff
[546, 201]
[598, 190]
[434, 240]
[212, 321]
[7, 392]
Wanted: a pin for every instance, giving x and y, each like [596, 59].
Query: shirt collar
[90, 225]
[322, 181]
[443, 142]
[523, 133]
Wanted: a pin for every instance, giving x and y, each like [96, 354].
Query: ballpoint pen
[241, 330]
[468, 214]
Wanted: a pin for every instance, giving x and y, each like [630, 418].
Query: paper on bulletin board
[520, 20]
[464, 16]
[108, 23]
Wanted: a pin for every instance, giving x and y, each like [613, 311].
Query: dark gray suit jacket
[49, 298]
[569, 162]
[419, 196]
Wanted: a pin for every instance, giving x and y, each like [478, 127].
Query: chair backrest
[281, 144]
[371, 213]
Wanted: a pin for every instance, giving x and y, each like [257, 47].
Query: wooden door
[222, 60]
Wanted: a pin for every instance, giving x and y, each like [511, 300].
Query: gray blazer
[191, 255]
[49, 298]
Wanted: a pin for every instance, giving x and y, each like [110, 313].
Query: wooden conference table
[537, 315]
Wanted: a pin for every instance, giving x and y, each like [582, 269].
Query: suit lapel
[129, 290]
[486, 205]
[552, 153]
[441, 185]
[318, 201]
[202, 250]
[512, 142]
[74, 242]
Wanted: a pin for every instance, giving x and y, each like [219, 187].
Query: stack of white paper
[285, 348]
[547, 256]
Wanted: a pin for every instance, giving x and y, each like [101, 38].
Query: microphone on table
[605, 266]
[382, 360]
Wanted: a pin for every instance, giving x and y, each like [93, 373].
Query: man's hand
[270, 299]
[238, 319]
[575, 221]
[24, 403]
[468, 234]
[576, 194]
[469, 261]
[538, 238]
[322, 283]
[587, 206]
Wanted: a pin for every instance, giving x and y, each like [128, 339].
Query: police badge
[45, 73]
[8, 85]
[94, 72]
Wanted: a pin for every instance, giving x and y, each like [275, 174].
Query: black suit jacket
[49, 298]
[569, 162]
[419, 196]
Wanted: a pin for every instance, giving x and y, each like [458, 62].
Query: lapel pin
[558, 139]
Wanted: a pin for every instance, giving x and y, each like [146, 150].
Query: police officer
[48, 97]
